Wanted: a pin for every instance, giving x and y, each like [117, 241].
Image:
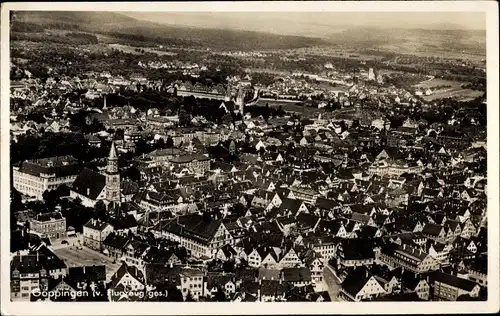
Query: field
[290, 106]
[132, 50]
[447, 89]
[78, 257]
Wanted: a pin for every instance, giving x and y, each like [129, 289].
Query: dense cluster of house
[392, 214]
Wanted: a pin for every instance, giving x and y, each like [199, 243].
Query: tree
[170, 142]
[220, 296]
[16, 205]
[133, 174]
[174, 295]
[50, 199]
[100, 210]
[189, 297]
[120, 132]
[228, 266]
[160, 144]
[184, 119]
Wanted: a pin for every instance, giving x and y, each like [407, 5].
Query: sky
[315, 23]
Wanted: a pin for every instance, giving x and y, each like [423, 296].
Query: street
[332, 282]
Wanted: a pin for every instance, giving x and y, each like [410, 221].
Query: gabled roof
[124, 269]
[89, 183]
[355, 281]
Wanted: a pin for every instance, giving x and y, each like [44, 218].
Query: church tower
[229, 89]
[105, 107]
[112, 176]
[240, 101]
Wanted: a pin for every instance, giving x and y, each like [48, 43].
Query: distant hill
[408, 40]
[121, 26]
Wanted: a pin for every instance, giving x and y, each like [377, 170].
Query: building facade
[33, 177]
[51, 225]
[94, 234]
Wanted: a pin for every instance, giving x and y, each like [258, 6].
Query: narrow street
[332, 282]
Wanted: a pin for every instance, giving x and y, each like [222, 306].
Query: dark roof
[357, 249]
[216, 280]
[129, 187]
[21, 241]
[452, 280]
[432, 229]
[400, 297]
[159, 273]
[301, 274]
[49, 259]
[355, 281]
[26, 263]
[88, 273]
[116, 241]
[61, 166]
[307, 220]
[273, 288]
[96, 224]
[315, 295]
[195, 226]
[45, 217]
[290, 204]
[157, 255]
[246, 274]
[45, 259]
[124, 269]
[480, 265]
[124, 222]
[89, 183]
[326, 204]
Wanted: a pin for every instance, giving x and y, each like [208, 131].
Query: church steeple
[112, 159]
[112, 176]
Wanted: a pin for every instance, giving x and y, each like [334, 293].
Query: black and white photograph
[226, 154]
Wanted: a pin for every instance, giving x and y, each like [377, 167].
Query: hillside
[127, 28]
[413, 40]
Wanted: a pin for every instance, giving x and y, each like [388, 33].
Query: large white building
[33, 177]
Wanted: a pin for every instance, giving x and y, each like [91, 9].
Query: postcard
[249, 158]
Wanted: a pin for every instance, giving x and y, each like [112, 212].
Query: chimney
[88, 191]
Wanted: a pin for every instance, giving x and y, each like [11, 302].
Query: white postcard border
[209, 308]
